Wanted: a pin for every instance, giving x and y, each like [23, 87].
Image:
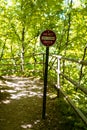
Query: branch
[81, 70]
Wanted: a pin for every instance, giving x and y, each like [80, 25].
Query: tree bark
[23, 49]
[2, 52]
[81, 69]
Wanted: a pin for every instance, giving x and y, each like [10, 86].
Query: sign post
[47, 38]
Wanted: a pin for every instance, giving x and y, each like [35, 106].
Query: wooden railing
[63, 75]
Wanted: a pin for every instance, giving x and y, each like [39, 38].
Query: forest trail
[21, 107]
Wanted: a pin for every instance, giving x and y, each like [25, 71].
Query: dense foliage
[21, 23]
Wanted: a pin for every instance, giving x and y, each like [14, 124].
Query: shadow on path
[21, 107]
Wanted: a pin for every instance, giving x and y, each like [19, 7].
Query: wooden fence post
[58, 74]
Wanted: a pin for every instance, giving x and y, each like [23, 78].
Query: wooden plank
[84, 62]
[75, 83]
[76, 61]
[81, 115]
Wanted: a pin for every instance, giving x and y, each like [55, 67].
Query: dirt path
[21, 107]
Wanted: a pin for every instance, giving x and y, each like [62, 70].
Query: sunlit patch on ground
[19, 87]
[26, 126]
[6, 101]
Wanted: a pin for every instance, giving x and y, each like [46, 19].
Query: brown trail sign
[48, 38]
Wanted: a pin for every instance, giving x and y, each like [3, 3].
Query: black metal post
[43, 64]
[45, 83]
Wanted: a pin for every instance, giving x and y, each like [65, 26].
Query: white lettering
[48, 38]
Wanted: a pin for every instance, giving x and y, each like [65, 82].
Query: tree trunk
[22, 50]
[68, 34]
[81, 69]
[2, 51]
